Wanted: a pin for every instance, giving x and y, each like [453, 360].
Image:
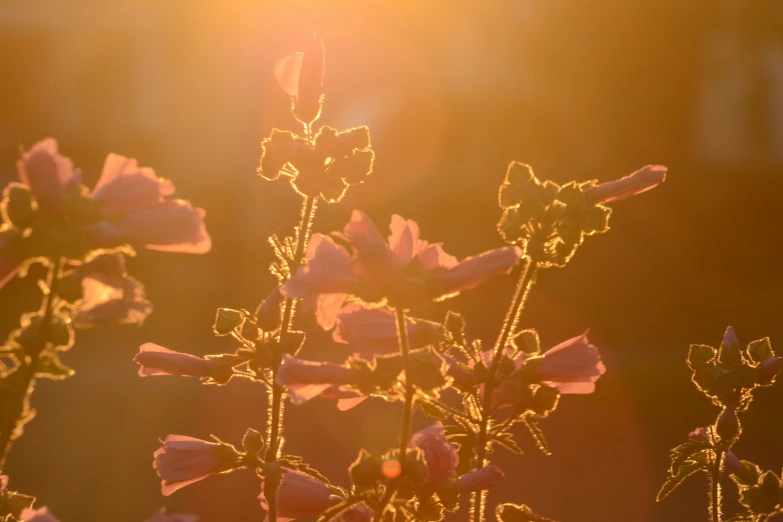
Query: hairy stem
[274, 422]
[715, 496]
[402, 338]
[28, 366]
[526, 280]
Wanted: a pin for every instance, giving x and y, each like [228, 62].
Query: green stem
[28, 367]
[715, 487]
[275, 424]
[526, 280]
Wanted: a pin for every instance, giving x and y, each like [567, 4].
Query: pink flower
[403, 271]
[124, 186]
[47, 173]
[572, 366]
[162, 516]
[302, 76]
[480, 479]
[38, 515]
[640, 181]
[157, 360]
[440, 455]
[169, 226]
[184, 460]
[308, 379]
[299, 496]
[769, 369]
[373, 331]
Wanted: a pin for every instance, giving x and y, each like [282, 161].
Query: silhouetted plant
[81, 236]
[366, 286]
[727, 376]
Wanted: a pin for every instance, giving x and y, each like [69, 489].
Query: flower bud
[640, 181]
[481, 479]
[769, 370]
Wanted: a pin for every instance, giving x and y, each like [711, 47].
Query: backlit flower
[480, 479]
[47, 173]
[183, 460]
[642, 180]
[157, 360]
[572, 366]
[302, 76]
[124, 186]
[403, 271]
[300, 495]
[307, 379]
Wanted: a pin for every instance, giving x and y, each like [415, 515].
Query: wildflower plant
[728, 376]
[367, 286]
[81, 237]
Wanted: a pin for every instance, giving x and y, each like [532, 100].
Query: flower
[572, 366]
[157, 360]
[401, 272]
[162, 516]
[120, 301]
[124, 186]
[300, 495]
[480, 479]
[169, 226]
[440, 456]
[47, 173]
[38, 515]
[302, 76]
[308, 379]
[642, 180]
[769, 369]
[326, 167]
[373, 331]
[183, 460]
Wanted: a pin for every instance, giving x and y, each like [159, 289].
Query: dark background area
[452, 92]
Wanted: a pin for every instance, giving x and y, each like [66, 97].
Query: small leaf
[699, 355]
[506, 440]
[527, 342]
[760, 350]
[252, 442]
[684, 471]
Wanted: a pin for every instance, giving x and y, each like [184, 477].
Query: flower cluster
[82, 236]
[367, 287]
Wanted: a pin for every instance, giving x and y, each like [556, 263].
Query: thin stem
[275, 427]
[402, 338]
[26, 371]
[526, 280]
[715, 487]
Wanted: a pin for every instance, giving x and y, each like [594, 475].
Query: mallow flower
[400, 272]
[47, 173]
[301, 75]
[183, 460]
[572, 366]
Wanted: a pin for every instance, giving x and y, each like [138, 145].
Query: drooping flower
[402, 272]
[157, 360]
[48, 173]
[302, 76]
[572, 366]
[307, 379]
[38, 515]
[183, 460]
[373, 331]
[480, 479]
[300, 495]
[440, 456]
[162, 516]
[327, 167]
[642, 180]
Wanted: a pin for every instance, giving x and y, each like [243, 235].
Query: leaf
[333, 512]
[760, 350]
[538, 435]
[431, 410]
[684, 471]
[527, 342]
[685, 451]
[700, 354]
[455, 325]
[226, 320]
[506, 440]
[50, 367]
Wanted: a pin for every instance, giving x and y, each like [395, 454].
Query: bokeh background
[452, 92]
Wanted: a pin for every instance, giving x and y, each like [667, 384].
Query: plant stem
[274, 421]
[526, 280]
[715, 487]
[28, 367]
[402, 338]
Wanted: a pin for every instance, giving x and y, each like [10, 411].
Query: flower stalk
[29, 366]
[526, 279]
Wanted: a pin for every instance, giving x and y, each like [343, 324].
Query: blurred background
[452, 92]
